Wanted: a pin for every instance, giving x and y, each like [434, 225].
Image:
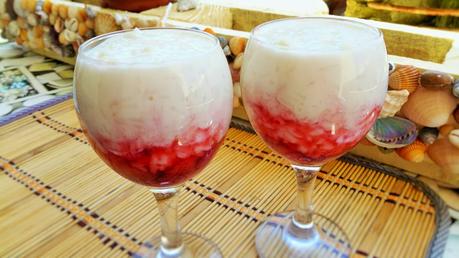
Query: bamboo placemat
[58, 199]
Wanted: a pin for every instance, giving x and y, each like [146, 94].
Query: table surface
[57, 198]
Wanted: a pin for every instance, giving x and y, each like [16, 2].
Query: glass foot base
[194, 246]
[275, 238]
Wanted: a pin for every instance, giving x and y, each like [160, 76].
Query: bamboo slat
[57, 198]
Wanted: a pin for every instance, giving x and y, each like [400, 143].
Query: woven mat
[57, 198]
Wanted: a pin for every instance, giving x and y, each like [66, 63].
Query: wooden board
[57, 198]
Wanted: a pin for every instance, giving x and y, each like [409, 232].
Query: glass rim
[378, 32]
[88, 43]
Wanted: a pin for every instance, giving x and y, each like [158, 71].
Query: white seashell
[71, 24]
[32, 19]
[393, 102]
[13, 28]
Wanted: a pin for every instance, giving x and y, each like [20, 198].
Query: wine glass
[155, 105]
[312, 88]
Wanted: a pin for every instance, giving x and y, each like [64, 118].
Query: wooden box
[56, 29]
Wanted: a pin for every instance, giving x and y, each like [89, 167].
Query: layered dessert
[313, 87]
[154, 104]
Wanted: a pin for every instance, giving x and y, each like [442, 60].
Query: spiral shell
[393, 102]
[405, 77]
[415, 152]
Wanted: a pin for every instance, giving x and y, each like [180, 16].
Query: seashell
[89, 34]
[444, 154]
[237, 45]
[89, 23]
[453, 137]
[428, 107]
[237, 89]
[446, 129]
[392, 67]
[392, 132]
[62, 39]
[38, 31]
[77, 13]
[455, 89]
[237, 63]
[32, 19]
[435, 79]
[22, 23]
[223, 41]
[59, 25]
[123, 21]
[30, 35]
[428, 135]
[209, 30]
[186, 5]
[405, 77]
[19, 8]
[68, 37]
[23, 34]
[236, 102]
[37, 43]
[82, 29]
[31, 5]
[23, 4]
[63, 11]
[119, 18]
[52, 19]
[104, 23]
[55, 9]
[47, 5]
[415, 152]
[393, 102]
[126, 25]
[13, 28]
[71, 24]
[227, 51]
[90, 12]
[235, 74]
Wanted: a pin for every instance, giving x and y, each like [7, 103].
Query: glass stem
[171, 237]
[305, 177]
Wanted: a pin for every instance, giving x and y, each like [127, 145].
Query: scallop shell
[405, 77]
[392, 132]
[105, 23]
[429, 107]
[415, 152]
[393, 102]
[444, 154]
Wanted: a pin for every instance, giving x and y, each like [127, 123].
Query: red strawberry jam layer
[159, 166]
[308, 142]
